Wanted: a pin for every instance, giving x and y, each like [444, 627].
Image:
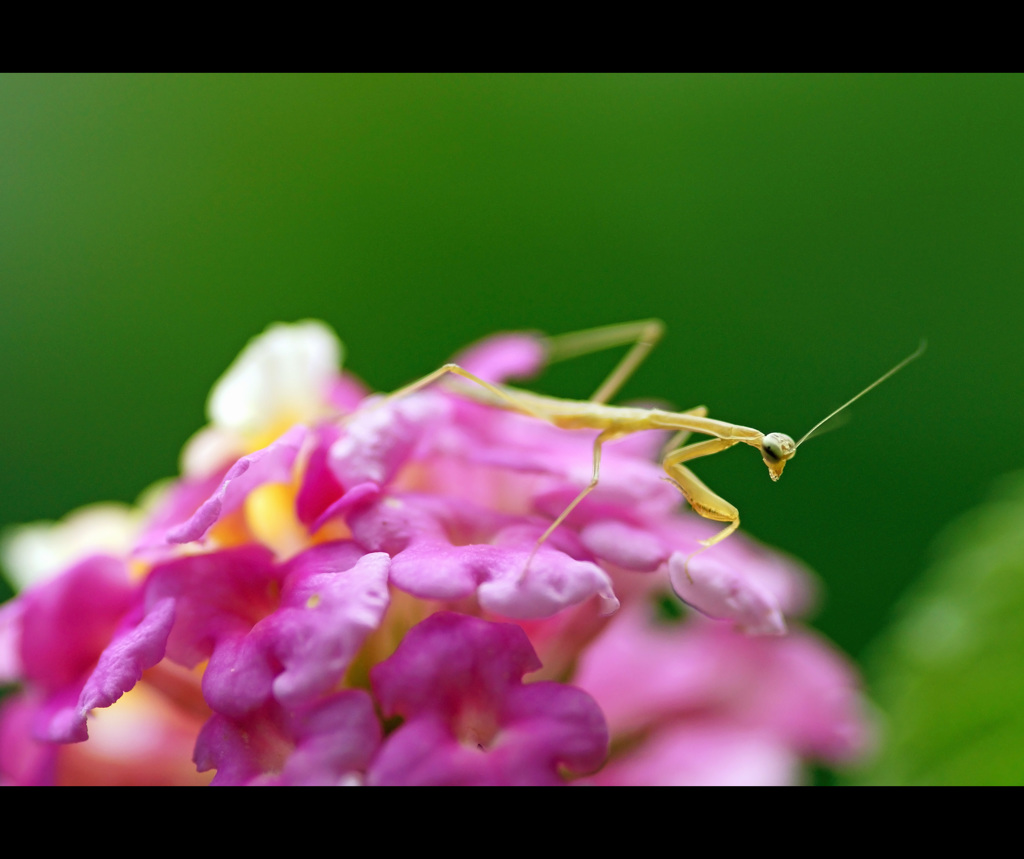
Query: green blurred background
[798, 234]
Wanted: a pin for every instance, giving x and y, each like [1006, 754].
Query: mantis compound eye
[776, 450]
[777, 446]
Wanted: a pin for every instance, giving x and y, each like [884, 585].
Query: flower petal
[11, 668]
[504, 356]
[218, 595]
[284, 374]
[272, 464]
[448, 657]
[41, 550]
[334, 740]
[240, 674]
[329, 606]
[381, 437]
[319, 488]
[705, 754]
[508, 576]
[625, 545]
[457, 681]
[327, 743]
[69, 620]
[120, 667]
[725, 593]
[24, 760]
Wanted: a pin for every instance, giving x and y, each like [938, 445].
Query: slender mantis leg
[516, 403]
[703, 500]
[679, 439]
[605, 435]
[643, 334]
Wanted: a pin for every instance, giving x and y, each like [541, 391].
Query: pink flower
[349, 590]
[692, 702]
[469, 719]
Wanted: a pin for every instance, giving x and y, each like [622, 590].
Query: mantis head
[776, 450]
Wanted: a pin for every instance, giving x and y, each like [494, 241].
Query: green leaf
[950, 671]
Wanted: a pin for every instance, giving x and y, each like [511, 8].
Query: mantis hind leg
[643, 334]
[516, 403]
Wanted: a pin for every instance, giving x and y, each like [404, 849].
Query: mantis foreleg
[679, 439]
[703, 501]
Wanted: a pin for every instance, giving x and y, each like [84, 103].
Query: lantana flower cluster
[343, 588]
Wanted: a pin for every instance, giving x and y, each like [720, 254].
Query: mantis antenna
[916, 354]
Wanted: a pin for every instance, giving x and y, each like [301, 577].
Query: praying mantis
[616, 422]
